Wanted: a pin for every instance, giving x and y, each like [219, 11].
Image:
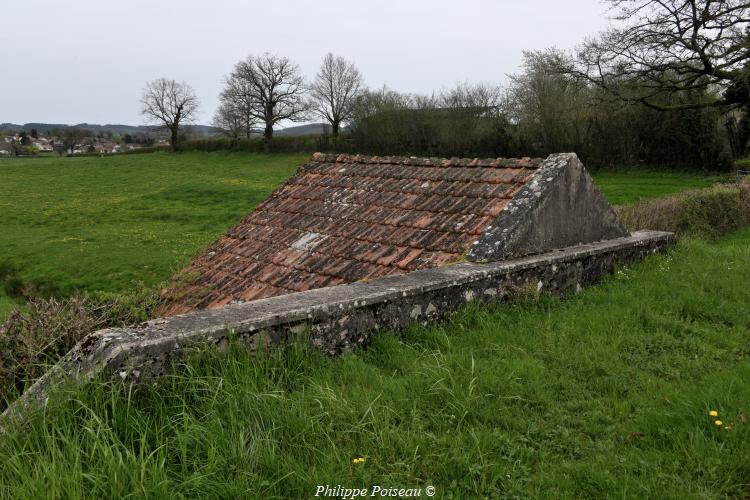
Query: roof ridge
[525, 161]
[403, 191]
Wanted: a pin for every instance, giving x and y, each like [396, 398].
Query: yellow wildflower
[718, 422]
[359, 460]
[714, 413]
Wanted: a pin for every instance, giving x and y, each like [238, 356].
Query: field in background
[628, 185]
[603, 394]
[101, 224]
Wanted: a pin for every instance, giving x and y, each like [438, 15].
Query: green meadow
[628, 185]
[103, 224]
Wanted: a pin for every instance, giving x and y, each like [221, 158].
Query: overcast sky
[77, 61]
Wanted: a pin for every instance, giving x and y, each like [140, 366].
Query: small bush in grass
[33, 339]
[709, 212]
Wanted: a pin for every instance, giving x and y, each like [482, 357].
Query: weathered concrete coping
[342, 316]
[310, 305]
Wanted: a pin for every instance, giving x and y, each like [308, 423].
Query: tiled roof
[345, 218]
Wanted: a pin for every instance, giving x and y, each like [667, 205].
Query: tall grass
[603, 394]
[32, 340]
[709, 212]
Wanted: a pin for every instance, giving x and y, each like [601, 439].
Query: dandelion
[359, 460]
[718, 422]
[714, 413]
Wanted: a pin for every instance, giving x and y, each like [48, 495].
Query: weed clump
[710, 212]
[33, 338]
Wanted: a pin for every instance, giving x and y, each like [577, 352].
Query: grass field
[604, 394]
[632, 184]
[6, 303]
[101, 224]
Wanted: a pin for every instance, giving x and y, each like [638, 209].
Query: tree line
[259, 93]
[667, 83]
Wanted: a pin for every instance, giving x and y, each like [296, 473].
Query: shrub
[709, 212]
[297, 144]
[33, 339]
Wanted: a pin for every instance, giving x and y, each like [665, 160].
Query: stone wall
[341, 317]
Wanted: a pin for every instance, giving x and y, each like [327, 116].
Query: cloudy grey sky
[79, 61]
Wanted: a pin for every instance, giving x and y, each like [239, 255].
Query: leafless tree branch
[170, 104]
[266, 89]
[334, 91]
[667, 47]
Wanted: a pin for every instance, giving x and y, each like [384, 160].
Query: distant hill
[45, 128]
[309, 129]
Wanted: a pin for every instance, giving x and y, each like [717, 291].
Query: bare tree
[233, 121]
[664, 48]
[269, 88]
[238, 105]
[170, 104]
[335, 90]
[372, 102]
[479, 96]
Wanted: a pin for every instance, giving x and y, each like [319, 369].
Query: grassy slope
[6, 303]
[632, 184]
[103, 223]
[603, 394]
